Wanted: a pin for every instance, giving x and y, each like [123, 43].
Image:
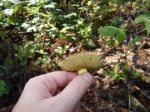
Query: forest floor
[108, 94]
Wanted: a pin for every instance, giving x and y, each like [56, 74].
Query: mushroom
[80, 62]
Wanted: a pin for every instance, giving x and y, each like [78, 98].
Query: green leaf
[72, 14]
[121, 35]
[16, 8]
[112, 31]
[135, 40]
[8, 62]
[145, 18]
[107, 31]
[41, 51]
[3, 88]
[51, 6]
[147, 26]
[142, 18]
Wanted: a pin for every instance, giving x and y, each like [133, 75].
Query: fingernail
[88, 77]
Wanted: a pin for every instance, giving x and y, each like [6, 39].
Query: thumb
[73, 92]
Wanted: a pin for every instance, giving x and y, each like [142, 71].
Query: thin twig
[138, 32]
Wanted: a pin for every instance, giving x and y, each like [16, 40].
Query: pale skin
[54, 92]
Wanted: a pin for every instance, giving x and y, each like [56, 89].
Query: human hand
[53, 92]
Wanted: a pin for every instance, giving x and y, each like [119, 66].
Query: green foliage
[44, 60]
[120, 71]
[6, 68]
[112, 31]
[3, 88]
[145, 18]
[31, 28]
[135, 40]
[61, 50]
[117, 21]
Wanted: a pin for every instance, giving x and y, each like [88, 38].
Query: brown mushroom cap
[80, 61]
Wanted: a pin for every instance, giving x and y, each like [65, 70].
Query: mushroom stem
[81, 71]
